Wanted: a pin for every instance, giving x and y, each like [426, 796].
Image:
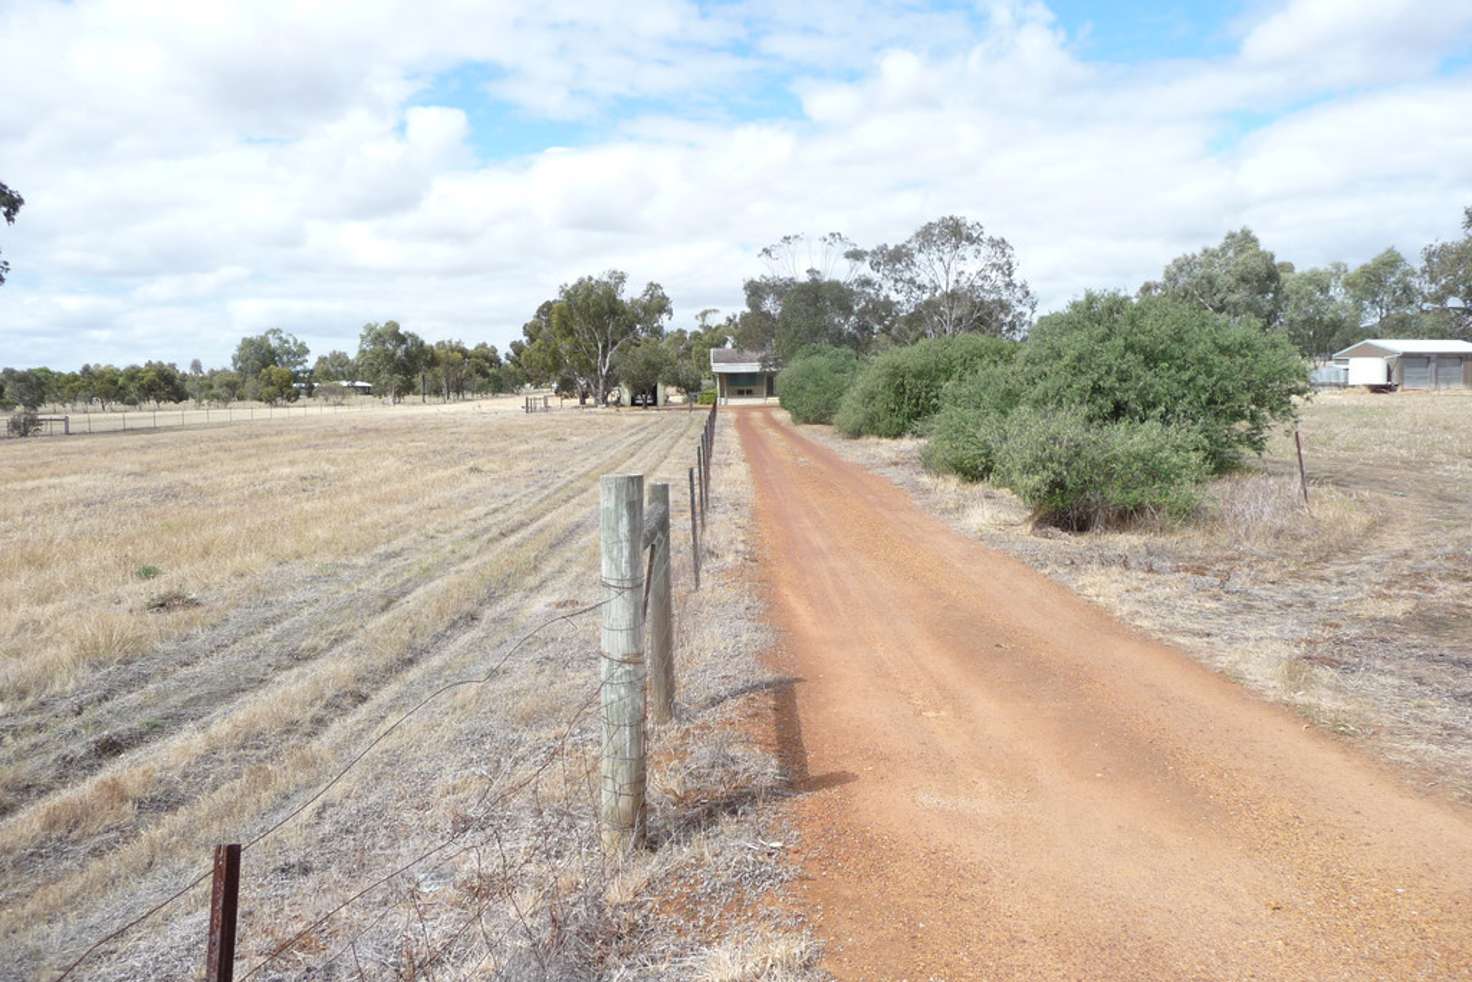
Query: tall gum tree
[592, 321]
[950, 277]
[1238, 278]
[1446, 270]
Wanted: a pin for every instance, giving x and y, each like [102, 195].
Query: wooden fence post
[700, 472]
[1302, 471]
[621, 529]
[224, 902]
[694, 532]
[661, 607]
[705, 502]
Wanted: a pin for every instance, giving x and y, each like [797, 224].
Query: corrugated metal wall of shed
[1448, 372]
[1329, 376]
[1416, 373]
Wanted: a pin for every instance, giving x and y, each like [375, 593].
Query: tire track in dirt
[998, 780]
[541, 538]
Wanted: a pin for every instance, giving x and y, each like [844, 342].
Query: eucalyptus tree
[816, 292]
[335, 366]
[1238, 278]
[391, 358]
[950, 277]
[1446, 271]
[1319, 316]
[270, 348]
[1388, 292]
[10, 205]
[592, 320]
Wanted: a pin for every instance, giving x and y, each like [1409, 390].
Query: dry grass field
[92, 421]
[1357, 613]
[199, 628]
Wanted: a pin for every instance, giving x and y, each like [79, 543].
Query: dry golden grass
[1356, 611]
[344, 569]
[211, 510]
[94, 421]
[773, 957]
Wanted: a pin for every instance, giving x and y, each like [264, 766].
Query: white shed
[1408, 363]
[746, 376]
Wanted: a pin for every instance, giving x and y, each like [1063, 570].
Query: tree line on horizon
[272, 367]
[950, 277]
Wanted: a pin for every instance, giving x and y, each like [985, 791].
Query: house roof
[733, 360]
[1382, 347]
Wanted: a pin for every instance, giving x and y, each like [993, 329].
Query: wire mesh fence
[85, 423]
[522, 863]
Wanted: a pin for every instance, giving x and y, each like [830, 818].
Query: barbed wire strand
[275, 827]
[428, 853]
[558, 750]
[500, 663]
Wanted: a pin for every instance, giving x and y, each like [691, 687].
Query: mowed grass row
[382, 542]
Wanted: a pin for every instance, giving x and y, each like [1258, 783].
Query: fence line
[625, 709]
[82, 424]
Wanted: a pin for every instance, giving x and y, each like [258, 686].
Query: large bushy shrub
[901, 388]
[812, 385]
[1079, 474]
[965, 433]
[1165, 360]
[1117, 408]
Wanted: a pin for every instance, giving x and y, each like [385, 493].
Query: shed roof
[733, 360]
[1384, 347]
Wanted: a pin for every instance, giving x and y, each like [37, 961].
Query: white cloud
[197, 171]
[1361, 40]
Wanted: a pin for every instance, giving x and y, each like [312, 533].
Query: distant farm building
[743, 376]
[361, 388]
[1407, 364]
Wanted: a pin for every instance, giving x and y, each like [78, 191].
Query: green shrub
[1079, 474]
[901, 388]
[1117, 408]
[813, 383]
[23, 423]
[147, 572]
[707, 397]
[1164, 360]
[965, 433]
[963, 441]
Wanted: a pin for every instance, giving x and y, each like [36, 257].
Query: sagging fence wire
[485, 805]
[566, 616]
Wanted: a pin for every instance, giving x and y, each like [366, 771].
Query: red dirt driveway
[1001, 781]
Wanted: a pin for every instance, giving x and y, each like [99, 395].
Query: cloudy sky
[197, 171]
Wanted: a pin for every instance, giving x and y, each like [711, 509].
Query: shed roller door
[1448, 372]
[1416, 373]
